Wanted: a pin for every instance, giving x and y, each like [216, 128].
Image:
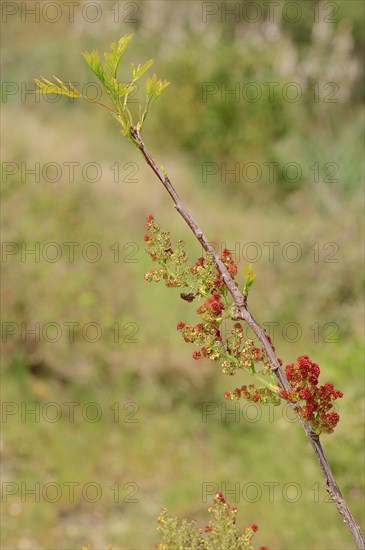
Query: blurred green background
[137, 431]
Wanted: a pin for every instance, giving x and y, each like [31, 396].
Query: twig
[242, 312]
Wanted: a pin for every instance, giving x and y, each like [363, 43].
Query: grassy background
[168, 456]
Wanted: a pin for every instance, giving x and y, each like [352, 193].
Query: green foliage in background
[252, 117]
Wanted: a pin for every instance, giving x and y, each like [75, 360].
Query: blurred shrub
[263, 98]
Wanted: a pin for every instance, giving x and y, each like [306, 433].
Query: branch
[242, 312]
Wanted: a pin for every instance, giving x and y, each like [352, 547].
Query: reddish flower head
[303, 379]
[149, 220]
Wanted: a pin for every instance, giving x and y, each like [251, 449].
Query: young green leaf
[249, 279]
[47, 87]
[137, 72]
[161, 86]
[113, 59]
[155, 87]
[119, 89]
[93, 60]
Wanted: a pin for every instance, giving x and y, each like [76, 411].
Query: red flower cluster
[303, 378]
[149, 221]
[224, 522]
[252, 393]
[207, 272]
[244, 357]
[160, 249]
[150, 225]
[199, 263]
[219, 498]
[229, 262]
[207, 334]
[212, 306]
